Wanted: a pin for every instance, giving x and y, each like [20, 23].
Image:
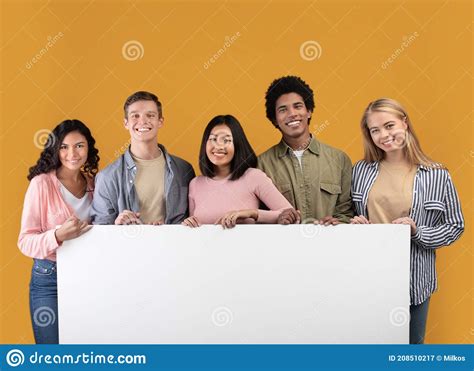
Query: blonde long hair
[412, 148]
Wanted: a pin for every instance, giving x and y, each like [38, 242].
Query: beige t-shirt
[150, 188]
[391, 195]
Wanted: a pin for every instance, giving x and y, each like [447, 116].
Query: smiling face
[220, 147]
[143, 121]
[73, 151]
[292, 116]
[387, 130]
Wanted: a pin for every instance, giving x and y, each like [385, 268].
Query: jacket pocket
[333, 189]
[329, 194]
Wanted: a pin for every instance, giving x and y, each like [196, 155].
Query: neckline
[72, 194]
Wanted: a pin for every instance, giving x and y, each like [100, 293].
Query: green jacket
[318, 188]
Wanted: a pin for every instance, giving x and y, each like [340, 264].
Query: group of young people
[298, 180]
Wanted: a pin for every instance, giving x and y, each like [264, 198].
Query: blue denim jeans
[44, 301]
[418, 317]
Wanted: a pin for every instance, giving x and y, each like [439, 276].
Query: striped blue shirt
[436, 211]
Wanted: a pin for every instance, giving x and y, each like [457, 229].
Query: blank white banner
[271, 284]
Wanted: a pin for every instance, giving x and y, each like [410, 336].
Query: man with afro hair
[313, 176]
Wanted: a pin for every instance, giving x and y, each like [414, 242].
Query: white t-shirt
[81, 206]
[299, 155]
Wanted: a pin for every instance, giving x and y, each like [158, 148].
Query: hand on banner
[71, 228]
[289, 216]
[128, 217]
[406, 220]
[327, 220]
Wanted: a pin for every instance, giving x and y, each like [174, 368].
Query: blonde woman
[397, 183]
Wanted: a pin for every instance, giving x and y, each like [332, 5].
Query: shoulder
[254, 174]
[198, 181]
[361, 165]
[113, 168]
[333, 152]
[43, 180]
[181, 165]
[268, 154]
[437, 171]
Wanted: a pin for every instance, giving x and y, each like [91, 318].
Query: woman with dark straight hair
[59, 194]
[230, 188]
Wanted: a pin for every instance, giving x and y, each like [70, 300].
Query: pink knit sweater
[43, 210]
[210, 199]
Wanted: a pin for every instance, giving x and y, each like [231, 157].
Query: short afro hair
[285, 85]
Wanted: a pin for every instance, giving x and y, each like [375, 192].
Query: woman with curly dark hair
[59, 194]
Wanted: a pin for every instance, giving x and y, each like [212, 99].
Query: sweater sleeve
[191, 201]
[33, 241]
[451, 226]
[266, 192]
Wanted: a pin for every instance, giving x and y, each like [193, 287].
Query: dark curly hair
[49, 158]
[286, 85]
[244, 155]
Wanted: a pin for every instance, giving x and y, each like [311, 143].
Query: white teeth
[293, 123]
[388, 142]
[143, 129]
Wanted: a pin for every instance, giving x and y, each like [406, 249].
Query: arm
[103, 209]
[450, 227]
[266, 191]
[33, 241]
[343, 210]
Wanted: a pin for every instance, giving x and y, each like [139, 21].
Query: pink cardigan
[210, 199]
[43, 210]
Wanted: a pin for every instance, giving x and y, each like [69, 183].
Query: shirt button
[131, 181]
[301, 185]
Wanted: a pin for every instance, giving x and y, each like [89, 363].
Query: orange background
[85, 74]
